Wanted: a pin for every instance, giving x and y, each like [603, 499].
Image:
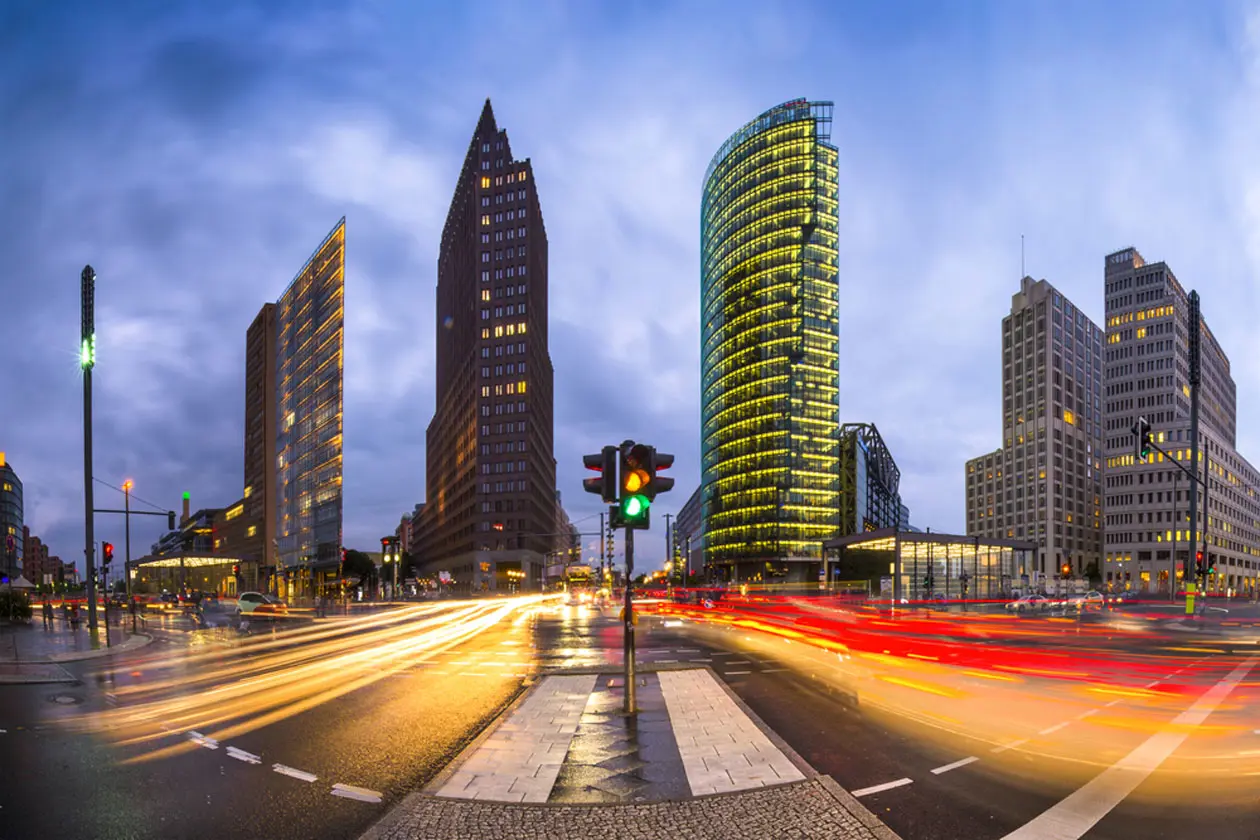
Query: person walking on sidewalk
[47, 611]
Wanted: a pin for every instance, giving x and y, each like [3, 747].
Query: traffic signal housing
[604, 485]
[1066, 570]
[634, 503]
[658, 484]
[107, 554]
[1142, 440]
[236, 570]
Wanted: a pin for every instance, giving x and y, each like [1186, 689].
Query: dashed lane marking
[881, 788]
[1087, 713]
[735, 673]
[962, 762]
[1052, 729]
[293, 772]
[202, 740]
[352, 792]
[773, 670]
[242, 755]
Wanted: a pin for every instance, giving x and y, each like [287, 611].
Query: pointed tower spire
[487, 122]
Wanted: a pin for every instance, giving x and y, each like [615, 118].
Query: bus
[579, 585]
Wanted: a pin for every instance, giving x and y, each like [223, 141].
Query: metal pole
[1194, 445]
[629, 622]
[127, 543]
[89, 537]
[1172, 568]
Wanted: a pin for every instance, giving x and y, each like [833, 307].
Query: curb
[857, 809]
[79, 656]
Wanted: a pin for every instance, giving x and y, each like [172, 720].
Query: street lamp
[127, 529]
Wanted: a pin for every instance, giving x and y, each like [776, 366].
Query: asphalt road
[388, 737]
[930, 754]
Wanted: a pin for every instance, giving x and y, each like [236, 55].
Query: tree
[360, 565]
[1093, 574]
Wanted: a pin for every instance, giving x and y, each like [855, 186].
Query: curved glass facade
[769, 337]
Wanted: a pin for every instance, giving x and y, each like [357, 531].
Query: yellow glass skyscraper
[768, 357]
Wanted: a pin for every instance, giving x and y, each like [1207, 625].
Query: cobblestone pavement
[814, 809]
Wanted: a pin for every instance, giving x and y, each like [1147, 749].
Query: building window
[520, 387]
[485, 182]
[485, 256]
[485, 277]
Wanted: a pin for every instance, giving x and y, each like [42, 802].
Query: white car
[259, 604]
[1029, 603]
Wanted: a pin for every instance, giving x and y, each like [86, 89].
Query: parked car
[257, 604]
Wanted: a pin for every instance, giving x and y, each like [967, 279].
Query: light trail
[294, 672]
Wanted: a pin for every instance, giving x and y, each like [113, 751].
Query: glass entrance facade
[769, 336]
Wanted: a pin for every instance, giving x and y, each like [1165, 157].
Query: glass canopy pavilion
[913, 565]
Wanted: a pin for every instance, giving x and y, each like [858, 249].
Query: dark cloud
[205, 80]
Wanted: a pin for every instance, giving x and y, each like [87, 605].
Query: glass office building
[769, 336]
[310, 340]
[10, 520]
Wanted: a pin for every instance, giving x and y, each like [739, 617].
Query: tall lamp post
[87, 361]
[127, 532]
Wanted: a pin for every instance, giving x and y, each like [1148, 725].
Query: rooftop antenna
[1022, 272]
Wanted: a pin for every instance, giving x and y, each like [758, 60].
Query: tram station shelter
[912, 565]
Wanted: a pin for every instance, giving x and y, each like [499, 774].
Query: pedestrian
[48, 614]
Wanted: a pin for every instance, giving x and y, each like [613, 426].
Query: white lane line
[352, 792]
[666, 660]
[1153, 683]
[471, 674]
[1052, 729]
[701, 660]
[960, 763]
[738, 662]
[293, 772]
[241, 755]
[772, 670]
[687, 650]
[881, 788]
[732, 673]
[1112, 703]
[1086, 714]
[1009, 746]
[1071, 818]
[202, 740]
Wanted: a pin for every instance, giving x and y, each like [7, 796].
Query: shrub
[15, 606]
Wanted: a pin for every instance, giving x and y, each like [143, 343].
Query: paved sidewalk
[29, 643]
[566, 762]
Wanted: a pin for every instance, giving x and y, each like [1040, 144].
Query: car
[1091, 600]
[260, 605]
[1029, 603]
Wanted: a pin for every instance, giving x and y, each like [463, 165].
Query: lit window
[498, 332]
[1069, 417]
[485, 332]
[252, 530]
[485, 219]
[485, 182]
[485, 294]
[520, 387]
[520, 328]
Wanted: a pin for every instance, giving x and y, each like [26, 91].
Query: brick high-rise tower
[491, 476]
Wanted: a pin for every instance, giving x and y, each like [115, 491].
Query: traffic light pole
[629, 623]
[1194, 377]
[87, 307]
[127, 538]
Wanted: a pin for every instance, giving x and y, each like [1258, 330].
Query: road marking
[352, 792]
[732, 673]
[198, 738]
[738, 662]
[960, 763]
[1009, 746]
[471, 674]
[241, 755]
[1053, 729]
[666, 660]
[1071, 818]
[1112, 703]
[701, 660]
[1153, 683]
[1086, 714]
[772, 670]
[687, 650]
[880, 788]
[293, 772]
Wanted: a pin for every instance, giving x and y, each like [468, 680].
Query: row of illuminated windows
[748, 173]
[504, 291]
[767, 256]
[762, 244]
[499, 390]
[502, 330]
[751, 215]
[764, 186]
[1141, 315]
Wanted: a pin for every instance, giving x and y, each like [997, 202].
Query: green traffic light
[634, 506]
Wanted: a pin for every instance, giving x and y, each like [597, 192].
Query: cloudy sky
[196, 153]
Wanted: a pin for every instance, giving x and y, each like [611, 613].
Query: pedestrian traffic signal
[634, 502]
[604, 463]
[236, 569]
[1142, 440]
[107, 554]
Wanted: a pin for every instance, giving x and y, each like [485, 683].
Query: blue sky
[195, 157]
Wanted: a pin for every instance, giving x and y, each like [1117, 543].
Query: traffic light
[1142, 440]
[604, 463]
[170, 520]
[236, 570]
[658, 483]
[634, 502]
[107, 554]
[1200, 567]
[1066, 570]
[385, 548]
